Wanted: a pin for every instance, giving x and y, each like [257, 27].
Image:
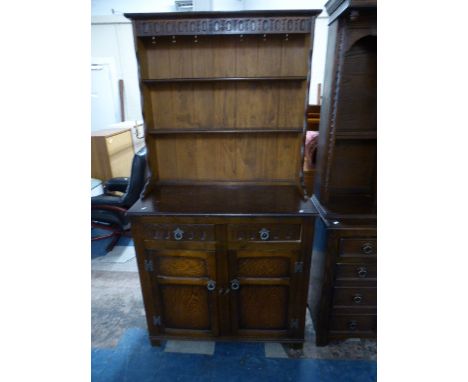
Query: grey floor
[117, 305]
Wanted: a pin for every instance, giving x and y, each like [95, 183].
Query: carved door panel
[262, 288]
[184, 289]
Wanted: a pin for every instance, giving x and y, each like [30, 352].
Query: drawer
[358, 247]
[179, 232]
[354, 297]
[356, 271]
[264, 232]
[353, 323]
[119, 142]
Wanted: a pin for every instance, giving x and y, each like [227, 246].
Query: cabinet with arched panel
[342, 293]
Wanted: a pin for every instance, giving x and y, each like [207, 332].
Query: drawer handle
[362, 272]
[352, 325]
[235, 284]
[357, 298]
[264, 234]
[178, 234]
[367, 248]
[211, 285]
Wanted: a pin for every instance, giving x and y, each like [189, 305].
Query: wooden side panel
[100, 167]
[226, 157]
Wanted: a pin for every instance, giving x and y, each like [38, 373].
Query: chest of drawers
[343, 284]
[111, 153]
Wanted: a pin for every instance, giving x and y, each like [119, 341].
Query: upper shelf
[211, 79]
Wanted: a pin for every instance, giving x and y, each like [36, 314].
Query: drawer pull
[352, 325]
[357, 298]
[235, 284]
[362, 272]
[264, 234]
[367, 248]
[211, 285]
[178, 234]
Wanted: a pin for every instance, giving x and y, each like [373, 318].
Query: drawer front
[354, 297]
[264, 232]
[354, 323]
[358, 247]
[179, 232]
[119, 142]
[356, 271]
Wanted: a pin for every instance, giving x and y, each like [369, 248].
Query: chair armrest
[106, 200]
[116, 184]
[108, 208]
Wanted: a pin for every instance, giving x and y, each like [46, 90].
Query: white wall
[110, 7]
[111, 37]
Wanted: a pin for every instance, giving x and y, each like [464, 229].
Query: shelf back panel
[225, 105]
[224, 56]
[250, 157]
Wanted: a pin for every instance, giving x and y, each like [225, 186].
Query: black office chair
[108, 211]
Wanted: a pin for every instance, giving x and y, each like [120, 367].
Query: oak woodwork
[342, 292]
[343, 267]
[223, 232]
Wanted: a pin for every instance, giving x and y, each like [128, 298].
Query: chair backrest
[137, 179]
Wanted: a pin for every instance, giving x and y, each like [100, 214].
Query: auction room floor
[121, 350]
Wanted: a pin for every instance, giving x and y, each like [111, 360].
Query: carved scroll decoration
[224, 26]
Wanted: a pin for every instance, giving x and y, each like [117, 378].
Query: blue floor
[135, 360]
[98, 247]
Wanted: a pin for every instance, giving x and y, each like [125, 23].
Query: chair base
[116, 234]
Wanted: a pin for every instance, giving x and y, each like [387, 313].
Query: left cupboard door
[184, 292]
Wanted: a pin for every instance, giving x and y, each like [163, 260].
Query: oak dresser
[224, 229]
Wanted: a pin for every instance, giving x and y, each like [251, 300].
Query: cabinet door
[262, 288]
[184, 290]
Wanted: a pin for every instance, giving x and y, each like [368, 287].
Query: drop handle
[264, 234]
[178, 234]
[362, 272]
[352, 325]
[235, 284]
[211, 285]
[367, 248]
[357, 298]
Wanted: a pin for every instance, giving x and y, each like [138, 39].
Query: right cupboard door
[262, 287]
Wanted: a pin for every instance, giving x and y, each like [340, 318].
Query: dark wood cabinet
[226, 277]
[346, 173]
[342, 293]
[343, 283]
[224, 229]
